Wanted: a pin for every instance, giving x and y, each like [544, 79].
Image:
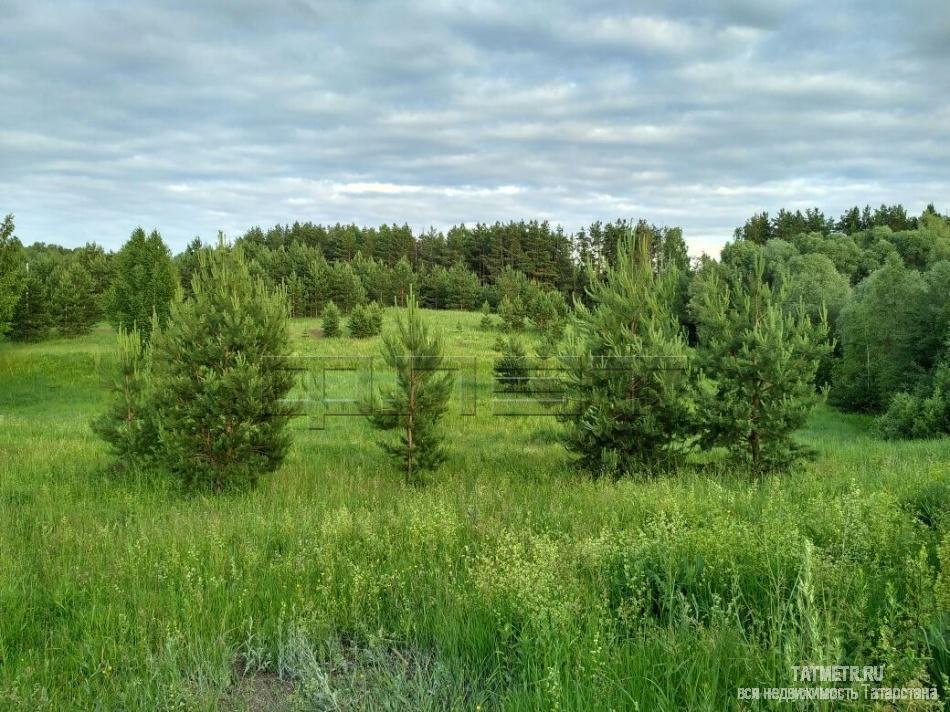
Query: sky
[194, 117]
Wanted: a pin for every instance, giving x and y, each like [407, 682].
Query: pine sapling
[416, 404]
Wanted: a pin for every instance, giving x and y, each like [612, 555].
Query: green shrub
[486, 323]
[930, 504]
[366, 320]
[923, 414]
[331, 320]
[511, 368]
[512, 313]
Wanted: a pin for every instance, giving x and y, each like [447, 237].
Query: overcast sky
[198, 116]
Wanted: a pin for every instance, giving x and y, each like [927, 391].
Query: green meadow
[508, 581]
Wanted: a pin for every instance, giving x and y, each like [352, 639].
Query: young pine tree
[220, 376]
[129, 425]
[512, 368]
[626, 365]
[33, 313]
[296, 295]
[348, 290]
[401, 280]
[144, 283]
[761, 360]
[416, 404]
[331, 321]
[486, 323]
[366, 320]
[512, 313]
[73, 298]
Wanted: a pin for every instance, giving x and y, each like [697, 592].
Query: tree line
[880, 278]
[883, 280]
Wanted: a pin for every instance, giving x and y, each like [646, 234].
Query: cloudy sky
[198, 116]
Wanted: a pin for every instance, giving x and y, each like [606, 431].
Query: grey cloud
[194, 117]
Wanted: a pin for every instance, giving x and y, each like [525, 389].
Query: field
[508, 581]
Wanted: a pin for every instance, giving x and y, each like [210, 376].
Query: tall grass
[508, 581]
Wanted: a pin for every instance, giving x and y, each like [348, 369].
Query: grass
[509, 581]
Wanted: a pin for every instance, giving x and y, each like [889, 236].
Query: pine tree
[296, 295]
[365, 320]
[220, 376]
[512, 313]
[348, 290]
[318, 284]
[144, 282]
[73, 299]
[461, 287]
[417, 403]
[486, 323]
[99, 265]
[761, 360]
[331, 320]
[512, 369]
[129, 426]
[401, 280]
[626, 379]
[12, 274]
[547, 310]
[32, 316]
[374, 276]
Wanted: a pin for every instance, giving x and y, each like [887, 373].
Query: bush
[512, 370]
[331, 320]
[487, 323]
[366, 320]
[512, 313]
[925, 414]
[899, 419]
